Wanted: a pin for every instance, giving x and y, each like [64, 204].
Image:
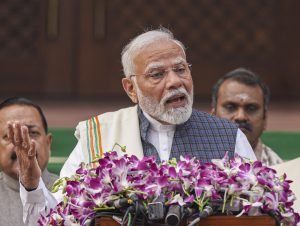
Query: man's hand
[29, 170]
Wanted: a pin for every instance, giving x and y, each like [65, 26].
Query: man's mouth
[244, 130]
[245, 127]
[176, 101]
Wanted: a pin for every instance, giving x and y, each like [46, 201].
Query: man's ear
[49, 139]
[48, 143]
[265, 119]
[130, 89]
[213, 111]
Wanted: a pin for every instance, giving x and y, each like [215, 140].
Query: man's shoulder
[53, 176]
[49, 178]
[124, 117]
[266, 147]
[1, 177]
[123, 112]
[3, 184]
[271, 153]
[205, 118]
[48, 175]
[107, 116]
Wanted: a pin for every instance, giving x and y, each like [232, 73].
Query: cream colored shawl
[99, 134]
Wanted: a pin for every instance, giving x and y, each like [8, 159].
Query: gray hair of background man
[245, 77]
[134, 47]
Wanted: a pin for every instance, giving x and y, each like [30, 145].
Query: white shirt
[161, 136]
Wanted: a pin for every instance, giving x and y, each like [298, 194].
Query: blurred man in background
[240, 96]
[31, 115]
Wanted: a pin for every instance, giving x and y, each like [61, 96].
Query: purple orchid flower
[252, 185]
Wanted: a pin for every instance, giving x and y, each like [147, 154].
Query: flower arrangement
[251, 186]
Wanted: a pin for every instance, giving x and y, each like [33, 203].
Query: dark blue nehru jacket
[203, 136]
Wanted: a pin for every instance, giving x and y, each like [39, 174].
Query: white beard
[158, 110]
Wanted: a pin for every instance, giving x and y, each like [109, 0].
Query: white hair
[135, 46]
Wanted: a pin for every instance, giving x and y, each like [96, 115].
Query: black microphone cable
[127, 215]
[139, 210]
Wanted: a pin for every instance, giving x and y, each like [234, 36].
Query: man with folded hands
[242, 97]
[162, 123]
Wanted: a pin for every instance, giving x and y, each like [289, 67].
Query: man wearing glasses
[162, 124]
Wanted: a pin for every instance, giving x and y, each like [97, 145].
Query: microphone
[120, 203]
[188, 212]
[173, 217]
[124, 202]
[156, 209]
[207, 211]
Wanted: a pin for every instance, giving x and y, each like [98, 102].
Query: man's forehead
[237, 88]
[244, 98]
[238, 93]
[160, 50]
[27, 115]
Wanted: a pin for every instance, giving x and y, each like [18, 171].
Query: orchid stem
[104, 208]
[123, 148]
[224, 202]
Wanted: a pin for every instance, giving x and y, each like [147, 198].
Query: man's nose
[240, 115]
[173, 80]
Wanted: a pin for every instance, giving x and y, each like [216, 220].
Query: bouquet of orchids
[225, 183]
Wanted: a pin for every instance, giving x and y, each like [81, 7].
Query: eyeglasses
[158, 74]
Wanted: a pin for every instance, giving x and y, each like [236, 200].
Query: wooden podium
[211, 221]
